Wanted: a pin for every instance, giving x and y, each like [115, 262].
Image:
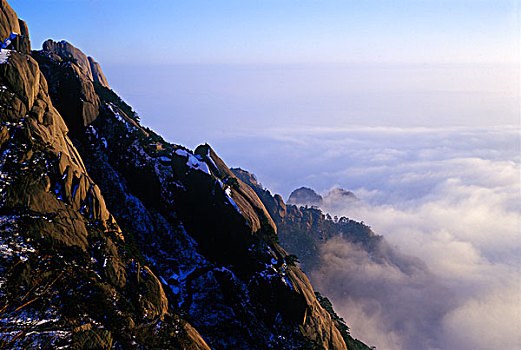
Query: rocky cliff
[111, 237]
[303, 228]
[66, 51]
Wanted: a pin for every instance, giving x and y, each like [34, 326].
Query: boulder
[25, 44]
[8, 20]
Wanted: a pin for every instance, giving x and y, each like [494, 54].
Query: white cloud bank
[470, 297]
[461, 214]
[451, 197]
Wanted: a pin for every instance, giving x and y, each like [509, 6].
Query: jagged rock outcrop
[302, 231]
[9, 20]
[67, 51]
[249, 204]
[237, 258]
[308, 197]
[13, 31]
[26, 103]
[72, 90]
[114, 238]
[97, 73]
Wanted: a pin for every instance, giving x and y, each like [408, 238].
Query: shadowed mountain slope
[111, 237]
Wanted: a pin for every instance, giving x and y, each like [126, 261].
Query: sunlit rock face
[66, 51]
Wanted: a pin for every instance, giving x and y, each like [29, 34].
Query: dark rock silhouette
[72, 91]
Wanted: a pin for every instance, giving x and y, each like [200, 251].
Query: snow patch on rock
[193, 162]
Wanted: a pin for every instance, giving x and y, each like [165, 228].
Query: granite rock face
[97, 73]
[207, 235]
[68, 52]
[72, 91]
[14, 33]
[302, 230]
[304, 227]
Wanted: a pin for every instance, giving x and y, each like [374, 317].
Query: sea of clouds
[450, 197]
[446, 199]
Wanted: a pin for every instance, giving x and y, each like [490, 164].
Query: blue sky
[219, 66]
[275, 31]
[206, 71]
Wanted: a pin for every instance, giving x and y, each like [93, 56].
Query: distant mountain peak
[340, 193]
[305, 196]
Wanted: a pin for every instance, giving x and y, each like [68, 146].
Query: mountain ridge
[112, 237]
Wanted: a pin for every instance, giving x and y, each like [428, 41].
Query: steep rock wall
[67, 278]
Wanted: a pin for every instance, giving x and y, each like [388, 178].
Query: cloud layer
[460, 213]
[450, 197]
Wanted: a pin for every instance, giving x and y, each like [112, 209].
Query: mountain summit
[67, 51]
[111, 237]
